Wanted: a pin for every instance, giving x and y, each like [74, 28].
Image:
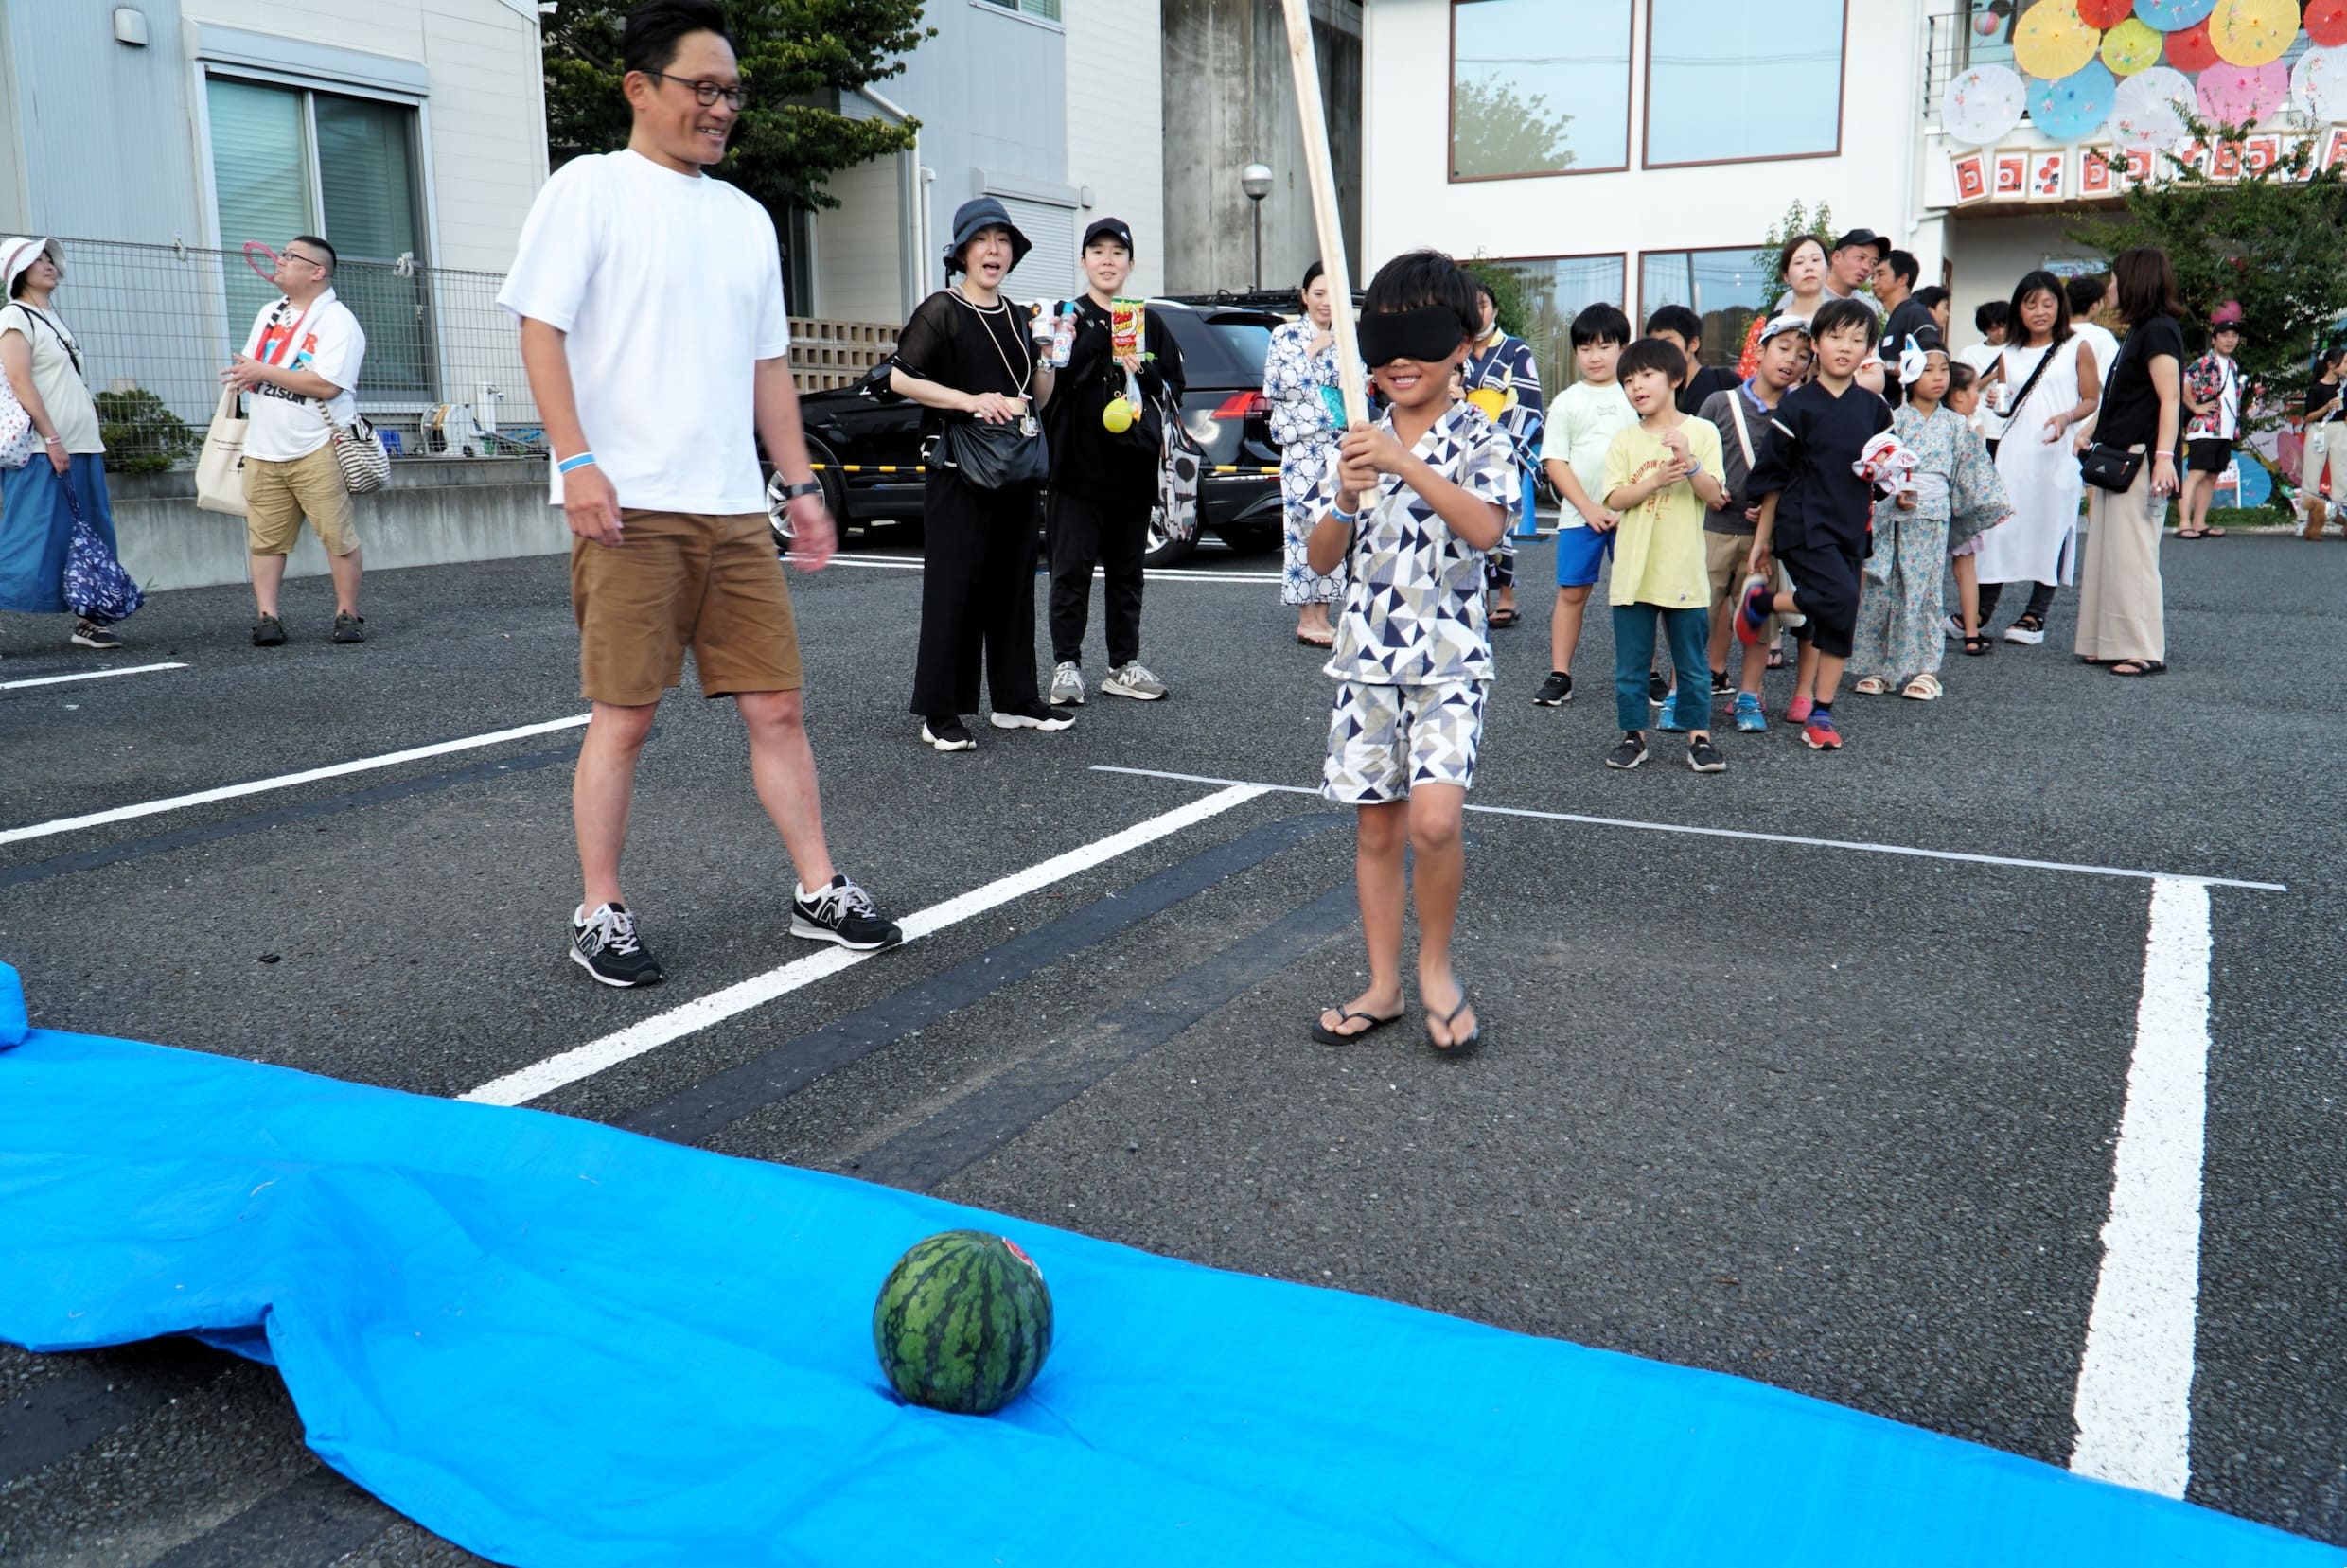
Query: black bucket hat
[984, 212]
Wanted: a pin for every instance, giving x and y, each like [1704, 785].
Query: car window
[1225, 350]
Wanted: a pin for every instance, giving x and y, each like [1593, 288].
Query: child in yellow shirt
[1661, 475]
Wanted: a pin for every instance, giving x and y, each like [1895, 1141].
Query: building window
[1557, 288]
[288, 161]
[1722, 287]
[1729, 81]
[1048, 10]
[1538, 87]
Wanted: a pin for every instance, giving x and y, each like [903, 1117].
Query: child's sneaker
[1821, 734]
[1798, 710]
[1665, 722]
[1630, 752]
[1751, 614]
[1705, 757]
[1556, 691]
[1658, 690]
[1749, 718]
[1720, 685]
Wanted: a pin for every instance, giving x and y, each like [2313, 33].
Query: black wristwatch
[805, 487]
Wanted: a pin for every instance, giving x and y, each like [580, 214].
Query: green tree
[798, 58]
[1508, 301]
[1797, 221]
[2275, 240]
[1496, 129]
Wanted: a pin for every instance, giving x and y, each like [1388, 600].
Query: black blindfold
[1429, 334]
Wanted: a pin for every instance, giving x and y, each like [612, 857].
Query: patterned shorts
[1383, 740]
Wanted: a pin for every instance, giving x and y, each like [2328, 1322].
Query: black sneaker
[1629, 753]
[606, 945]
[269, 633]
[347, 627]
[947, 733]
[1034, 715]
[1556, 691]
[93, 634]
[1657, 689]
[1722, 686]
[1705, 757]
[842, 912]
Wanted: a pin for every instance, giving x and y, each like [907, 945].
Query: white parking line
[1857, 845]
[283, 780]
[1155, 574]
[543, 1078]
[87, 675]
[2134, 1406]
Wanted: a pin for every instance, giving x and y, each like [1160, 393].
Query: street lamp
[1255, 181]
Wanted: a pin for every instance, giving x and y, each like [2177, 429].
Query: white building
[1641, 151]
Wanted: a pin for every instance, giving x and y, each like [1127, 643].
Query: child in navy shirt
[1816, 513]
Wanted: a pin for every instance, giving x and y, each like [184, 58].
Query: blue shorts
[1579, 553]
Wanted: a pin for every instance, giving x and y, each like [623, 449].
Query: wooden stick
[1320, 174]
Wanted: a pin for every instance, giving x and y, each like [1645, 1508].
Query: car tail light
[1244, 405]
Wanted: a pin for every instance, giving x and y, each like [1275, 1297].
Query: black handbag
[994, 457]
[2103, 465]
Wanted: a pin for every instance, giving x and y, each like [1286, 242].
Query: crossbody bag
[2102, 464]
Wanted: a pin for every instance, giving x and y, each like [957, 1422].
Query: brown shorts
[676, 581]
[278, 495]
[1725, 556]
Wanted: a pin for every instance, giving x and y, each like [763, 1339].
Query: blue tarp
[555, 1343]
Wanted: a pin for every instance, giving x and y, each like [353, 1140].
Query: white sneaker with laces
[1131, 678]
[1066, 686]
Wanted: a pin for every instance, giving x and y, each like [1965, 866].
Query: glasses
[708, 93]
[296, 255]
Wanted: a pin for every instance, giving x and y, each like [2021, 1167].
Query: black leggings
[978, 592]
[2040, 600]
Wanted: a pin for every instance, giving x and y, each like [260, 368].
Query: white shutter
[1049, 271]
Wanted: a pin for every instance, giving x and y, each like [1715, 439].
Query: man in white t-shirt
[653, 329]
[299, 363]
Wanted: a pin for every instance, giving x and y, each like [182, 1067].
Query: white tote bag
[220, 468]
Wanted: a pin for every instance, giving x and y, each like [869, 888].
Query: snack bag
[1125, 326]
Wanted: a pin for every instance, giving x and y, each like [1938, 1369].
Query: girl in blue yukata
[1500, 377]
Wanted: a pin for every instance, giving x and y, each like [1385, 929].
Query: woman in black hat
[969, 358]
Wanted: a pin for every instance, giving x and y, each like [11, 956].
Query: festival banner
[2048, 175]
[1971, 173]
[2009, 175]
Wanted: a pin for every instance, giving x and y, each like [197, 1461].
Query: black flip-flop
[1314, 643]
[1328, 1037]
[1456, 1047]
[1504, 618]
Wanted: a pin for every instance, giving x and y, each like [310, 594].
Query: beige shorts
[278, 495]
[1725, 557]
[678, 581]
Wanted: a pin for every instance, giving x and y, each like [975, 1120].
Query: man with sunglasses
[654, 332]
[298, 367]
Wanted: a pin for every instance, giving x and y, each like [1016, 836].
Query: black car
[866, 441]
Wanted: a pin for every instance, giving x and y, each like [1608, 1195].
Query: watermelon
[963, 1323]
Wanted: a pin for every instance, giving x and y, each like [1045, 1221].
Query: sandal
[1978, 646]
[1776, 658]
[2212, 533]
[1338, 1036]
[2192, 533]
[1456, 1047]
[1923, 688]
[1873, 685]
[1315, 642]
[1501, 619]
[2139, 667]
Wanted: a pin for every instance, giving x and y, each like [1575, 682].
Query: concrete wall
[431, 514]
[1229, 101]
[1409, 200]
[1116, 120]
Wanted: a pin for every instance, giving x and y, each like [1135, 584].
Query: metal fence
[442, 377]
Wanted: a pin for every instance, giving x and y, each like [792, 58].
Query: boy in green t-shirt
[1661, 475]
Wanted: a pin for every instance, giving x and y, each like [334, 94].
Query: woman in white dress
[2043, 386]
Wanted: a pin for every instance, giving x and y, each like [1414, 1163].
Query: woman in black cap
[969, 358]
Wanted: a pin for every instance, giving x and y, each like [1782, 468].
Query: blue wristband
[1348, 519]
[581, 461]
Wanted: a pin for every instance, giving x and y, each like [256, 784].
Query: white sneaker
[1132, 680]
[1066, 686]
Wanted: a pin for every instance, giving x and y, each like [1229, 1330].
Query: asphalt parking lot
[1817, 1072]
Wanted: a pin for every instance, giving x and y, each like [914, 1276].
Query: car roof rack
[1271, 301]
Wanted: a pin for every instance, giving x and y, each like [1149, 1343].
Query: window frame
[1450, 119]
[1017, 10]
[1645, 310]
[1646, 109]
[1623, 256]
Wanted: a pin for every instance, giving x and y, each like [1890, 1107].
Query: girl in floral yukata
[1300, 365]
[1956, 493]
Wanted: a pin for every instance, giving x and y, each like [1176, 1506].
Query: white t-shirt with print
[669, 289]
[325, 340]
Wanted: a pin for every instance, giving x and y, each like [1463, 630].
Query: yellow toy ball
[1118, 416]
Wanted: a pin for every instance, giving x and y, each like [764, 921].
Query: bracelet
[1348, 519]
[581, 461]
[52, 440]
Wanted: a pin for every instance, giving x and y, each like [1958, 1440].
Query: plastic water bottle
[1063, 336]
